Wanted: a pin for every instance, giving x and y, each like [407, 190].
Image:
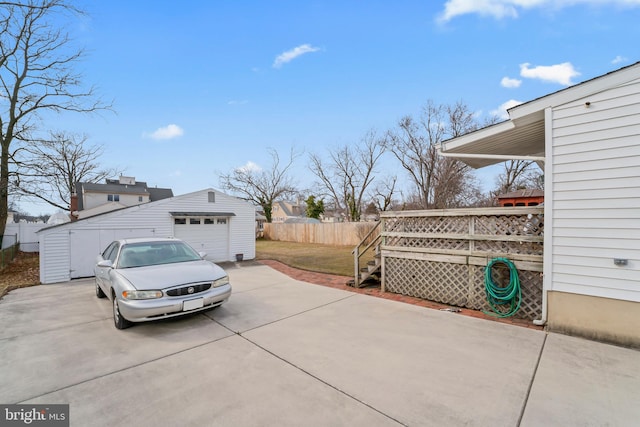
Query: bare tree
[439, 182]
[36, 76]
[349, 173]
[52, 167]
[512, 176]
[262, 186]
[383, 193]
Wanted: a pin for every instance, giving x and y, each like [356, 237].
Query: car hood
[168, 275]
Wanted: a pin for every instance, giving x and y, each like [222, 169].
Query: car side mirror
[202, 254]
[105, 263]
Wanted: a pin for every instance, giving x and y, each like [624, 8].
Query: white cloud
[167, 132]
[497, 9]
[250, 167]
[292, 54]
[500, 9]
[559, 73]
[618, 59]
[510, 83]
[501, 111]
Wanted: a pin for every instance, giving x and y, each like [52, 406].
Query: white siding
[596, 194]
[151, 219]
[93, 200]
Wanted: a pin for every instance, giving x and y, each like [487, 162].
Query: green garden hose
[500, 296]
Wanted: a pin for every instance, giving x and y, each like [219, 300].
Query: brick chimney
[73, 207]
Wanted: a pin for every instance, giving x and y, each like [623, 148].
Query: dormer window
[113, 198]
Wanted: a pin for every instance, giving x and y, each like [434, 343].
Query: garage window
[222, 220]
[209, 221]
[180, 221]
[194, 220]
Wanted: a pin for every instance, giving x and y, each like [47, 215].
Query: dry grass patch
[23, 271]
[307, 256]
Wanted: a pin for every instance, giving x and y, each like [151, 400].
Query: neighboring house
[282, 211]
[10, 217]
[588, 137]
[94, 198]
[521, 198]
[210, 221]
[260, 220]
[332, 216]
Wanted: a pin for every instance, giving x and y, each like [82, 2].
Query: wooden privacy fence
[440, 255]
[333, 233]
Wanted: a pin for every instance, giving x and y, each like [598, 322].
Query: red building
[521, 198]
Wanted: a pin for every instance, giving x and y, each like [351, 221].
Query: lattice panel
[434, 281]
[458, 284]
[431, 224]
[511, 225]
[527, 248]
[416, 242]
[518, 225]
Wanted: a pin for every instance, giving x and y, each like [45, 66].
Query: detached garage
[210, 221]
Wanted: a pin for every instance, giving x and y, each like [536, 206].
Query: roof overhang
[202, 214]
[520, 139]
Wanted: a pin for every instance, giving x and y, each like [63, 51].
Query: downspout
[547, 260]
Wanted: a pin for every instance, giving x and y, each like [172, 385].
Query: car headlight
[141, 294]
[220, 282]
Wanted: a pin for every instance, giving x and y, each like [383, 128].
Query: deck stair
[367, 272]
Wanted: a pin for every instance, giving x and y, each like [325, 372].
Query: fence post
[356, 264]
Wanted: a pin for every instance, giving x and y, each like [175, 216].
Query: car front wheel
[99, 292]
[119, 321]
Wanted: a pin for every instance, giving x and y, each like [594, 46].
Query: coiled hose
[498, 296]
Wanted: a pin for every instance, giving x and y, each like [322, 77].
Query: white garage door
[205, 234]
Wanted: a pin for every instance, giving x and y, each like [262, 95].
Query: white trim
[504, 157]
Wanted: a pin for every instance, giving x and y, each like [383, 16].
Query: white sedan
[154, 278]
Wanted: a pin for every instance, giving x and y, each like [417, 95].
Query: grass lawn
[307, 256]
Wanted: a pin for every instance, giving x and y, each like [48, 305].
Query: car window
[154, 253]
[111, 252]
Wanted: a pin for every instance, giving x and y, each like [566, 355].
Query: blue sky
[202, 87]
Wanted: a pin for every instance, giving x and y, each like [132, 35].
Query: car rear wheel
[99, 292]
[118, 320]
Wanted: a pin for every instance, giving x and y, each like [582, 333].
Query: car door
[103, 273]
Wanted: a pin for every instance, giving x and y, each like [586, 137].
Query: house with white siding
[587, 139]
[92, 198]
[210, 221]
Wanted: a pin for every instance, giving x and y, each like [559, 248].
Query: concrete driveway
[288, 353]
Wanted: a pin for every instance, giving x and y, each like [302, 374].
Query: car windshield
[154, 253]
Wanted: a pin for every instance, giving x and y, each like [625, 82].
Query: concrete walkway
[289, 353]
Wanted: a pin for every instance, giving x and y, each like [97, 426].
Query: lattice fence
[441, 255]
